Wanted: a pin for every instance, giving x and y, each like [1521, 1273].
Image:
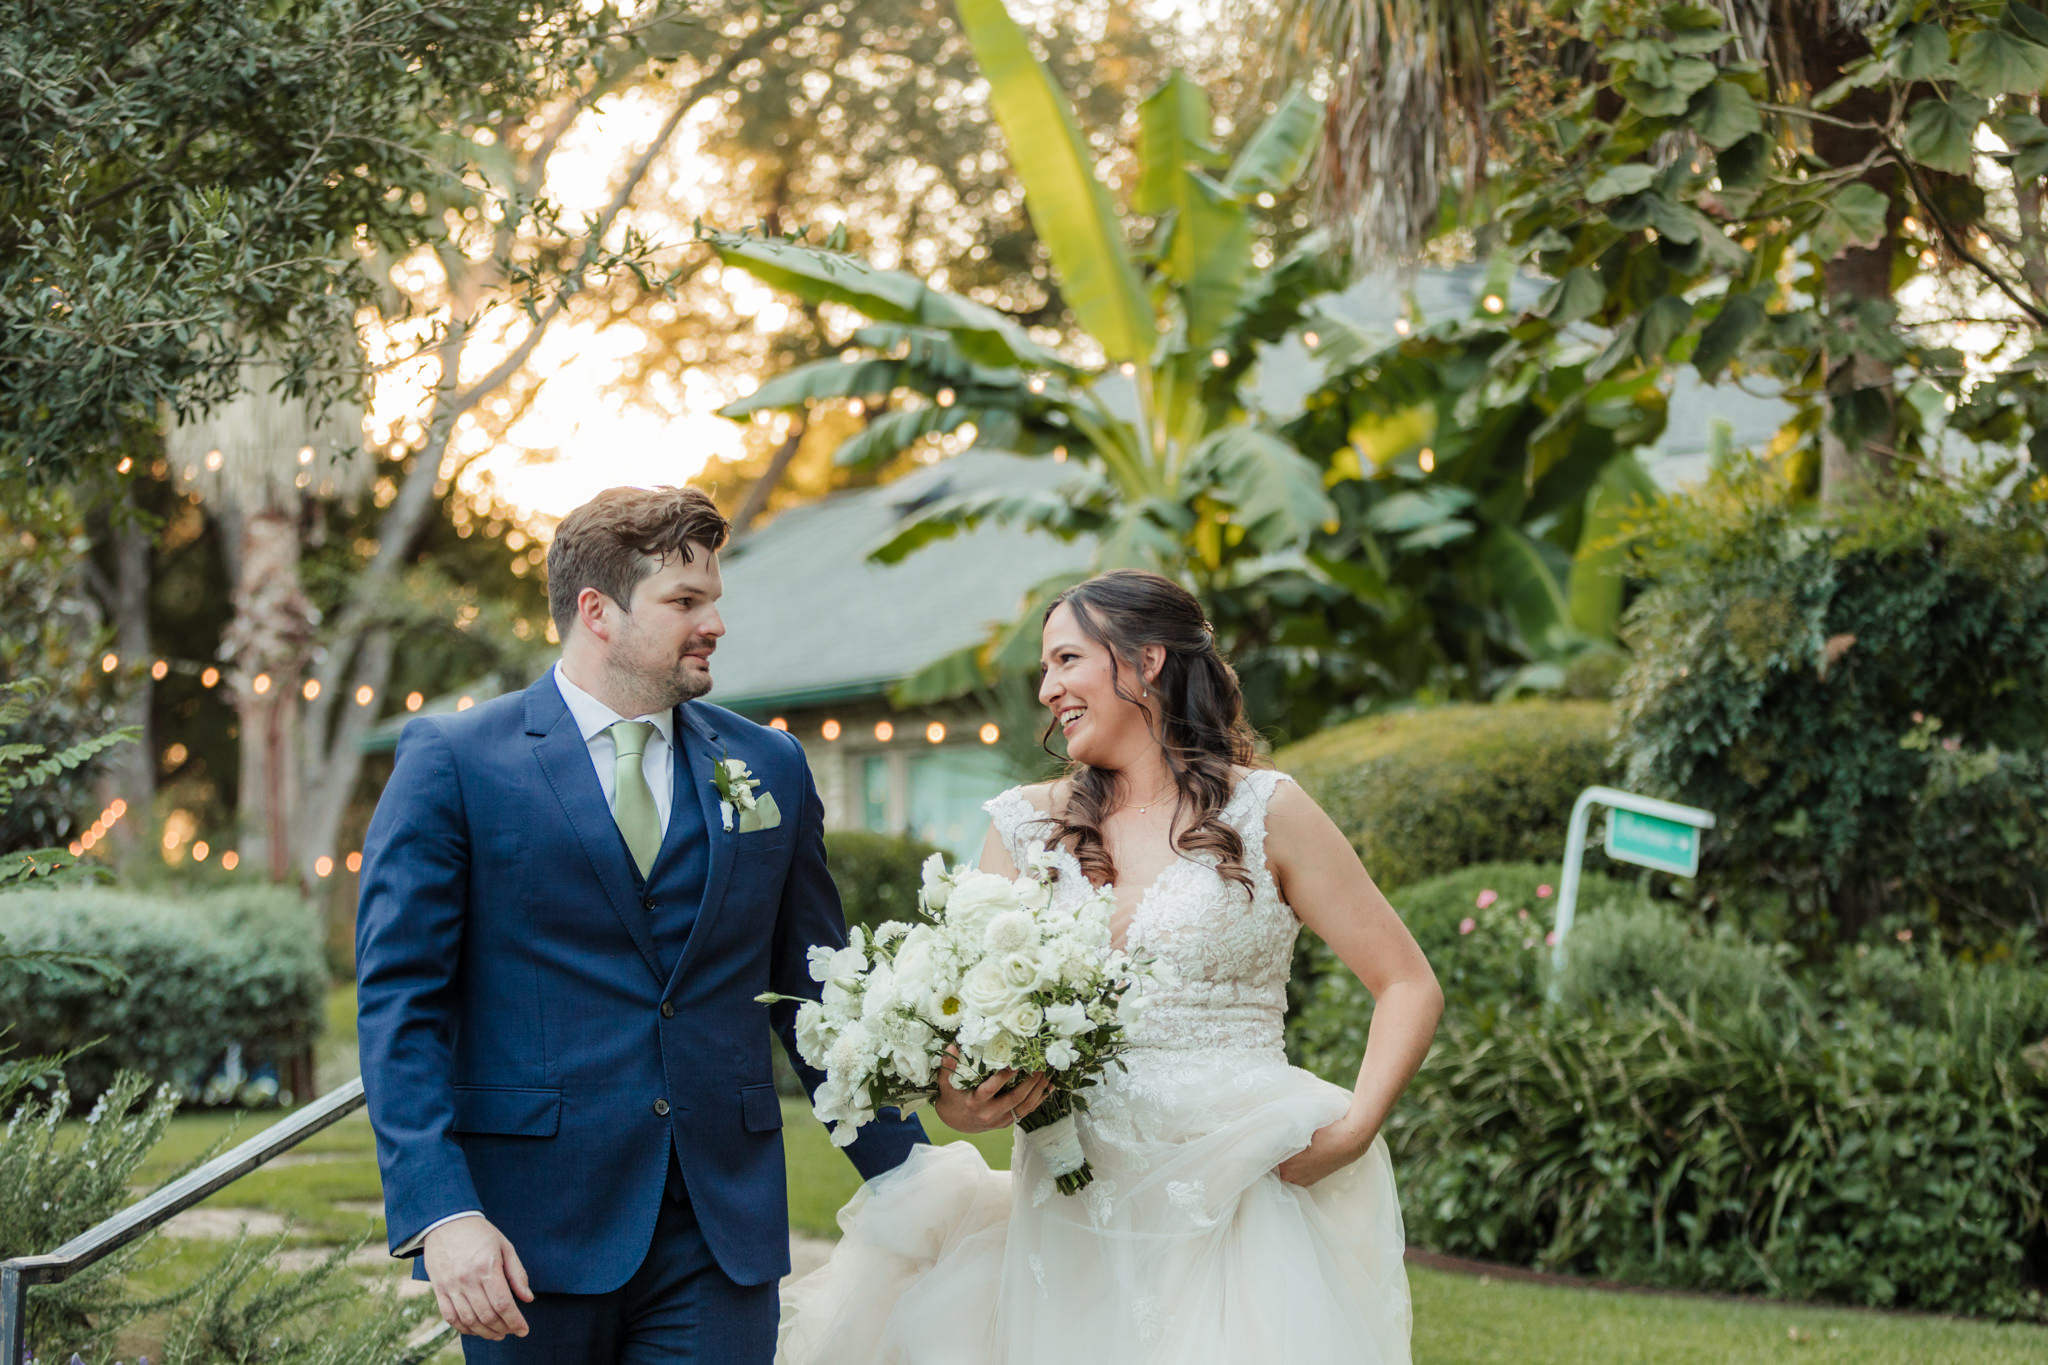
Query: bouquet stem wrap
[1053, 1131]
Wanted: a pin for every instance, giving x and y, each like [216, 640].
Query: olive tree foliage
[1843, 199]
[183, 181]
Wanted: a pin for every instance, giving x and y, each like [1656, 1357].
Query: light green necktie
[633, 799]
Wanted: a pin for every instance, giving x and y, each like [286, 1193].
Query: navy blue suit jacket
[528, 1052]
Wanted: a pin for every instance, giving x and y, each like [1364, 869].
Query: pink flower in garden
[1951, 744]
[1467, 925]
[1919, 717]
[1487, 897]
[1905, 935]
[1522, 913]
[1550, 939]
[1543, 892]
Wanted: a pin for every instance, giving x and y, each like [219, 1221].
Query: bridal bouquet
[995, 975]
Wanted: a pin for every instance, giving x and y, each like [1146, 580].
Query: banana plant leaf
[1070, 210]
[817, 275]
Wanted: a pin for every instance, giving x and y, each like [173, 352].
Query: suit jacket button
[647, 902]
[668, 1010]
[661, 1108]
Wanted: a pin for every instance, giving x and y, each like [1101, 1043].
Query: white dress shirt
[594, 721]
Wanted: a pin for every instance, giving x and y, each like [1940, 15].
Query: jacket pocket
[760, 1108]
[507, 1111]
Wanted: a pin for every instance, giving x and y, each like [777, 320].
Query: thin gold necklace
[1153, 801]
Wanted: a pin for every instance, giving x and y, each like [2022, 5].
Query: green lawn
[1459, 1319]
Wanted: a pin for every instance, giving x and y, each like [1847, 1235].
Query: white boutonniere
[735, 788]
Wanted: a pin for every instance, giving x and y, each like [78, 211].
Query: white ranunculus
[937, 884]
[1060, 1054]
[1010, 932]
[1024, 1019]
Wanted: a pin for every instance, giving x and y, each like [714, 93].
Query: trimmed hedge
[205, 973]
[877, 874]
[1424, 792]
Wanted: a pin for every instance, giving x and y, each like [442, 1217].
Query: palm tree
[254, 461]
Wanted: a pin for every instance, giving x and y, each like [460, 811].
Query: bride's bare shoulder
[1045, 797]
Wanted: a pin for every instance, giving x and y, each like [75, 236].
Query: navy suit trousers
[678, 1307]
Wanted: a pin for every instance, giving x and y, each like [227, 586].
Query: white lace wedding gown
[1186, 1249]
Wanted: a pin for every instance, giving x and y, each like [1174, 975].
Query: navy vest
[673, 889]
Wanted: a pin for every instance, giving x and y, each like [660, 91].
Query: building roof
[810, 619]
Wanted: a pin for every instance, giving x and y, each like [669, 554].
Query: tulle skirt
[1186, 1248]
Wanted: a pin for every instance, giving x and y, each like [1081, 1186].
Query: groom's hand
[476, 1274]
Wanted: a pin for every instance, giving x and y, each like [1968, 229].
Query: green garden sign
[1652, 841]
[1641, 830]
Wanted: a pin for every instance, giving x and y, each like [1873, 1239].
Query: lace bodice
[1225, 955]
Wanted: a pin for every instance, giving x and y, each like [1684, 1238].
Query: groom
[570, 898]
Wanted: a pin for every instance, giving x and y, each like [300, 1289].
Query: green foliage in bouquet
[1863, 702]
[236, 967]
[1426, 792]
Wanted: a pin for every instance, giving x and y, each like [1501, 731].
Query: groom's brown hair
[620, 537]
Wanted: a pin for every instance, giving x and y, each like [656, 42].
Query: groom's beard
[658, 680]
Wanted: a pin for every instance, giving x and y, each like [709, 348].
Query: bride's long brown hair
[1201, 725]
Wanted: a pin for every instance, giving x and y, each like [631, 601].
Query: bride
[1242, 1210]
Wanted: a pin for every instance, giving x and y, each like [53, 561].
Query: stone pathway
[372, 1264]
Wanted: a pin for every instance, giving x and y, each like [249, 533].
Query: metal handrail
[145, 1215]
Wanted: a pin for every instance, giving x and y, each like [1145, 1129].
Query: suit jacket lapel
[700, 750]
[565, 760]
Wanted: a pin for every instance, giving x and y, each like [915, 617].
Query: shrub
[1621, 957]
[206, 976]
[1863, 702]
[877, 874]
[1483, 929]
[1425, 792]
[1756, 1151]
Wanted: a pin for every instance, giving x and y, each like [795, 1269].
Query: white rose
[987, 989]
[1020, 972]
[1009, 932]
[977, 898]
[1060, 1054]
[1024, 1020]
[1000, 1050]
